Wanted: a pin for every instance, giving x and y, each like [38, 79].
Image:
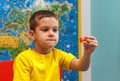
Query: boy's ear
[32, 34]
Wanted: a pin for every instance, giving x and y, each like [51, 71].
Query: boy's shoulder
[25, 52]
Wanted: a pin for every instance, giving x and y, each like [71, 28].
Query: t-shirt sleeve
[65, 59]
[21, 69]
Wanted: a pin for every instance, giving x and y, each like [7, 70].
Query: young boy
[43, 62]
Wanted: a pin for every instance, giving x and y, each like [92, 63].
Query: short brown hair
[39, 15]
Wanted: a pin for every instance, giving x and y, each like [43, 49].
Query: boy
[43, 62]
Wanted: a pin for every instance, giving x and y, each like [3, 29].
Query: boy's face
[46, 33]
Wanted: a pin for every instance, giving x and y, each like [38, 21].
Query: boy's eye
[45, 29]
[55, 30]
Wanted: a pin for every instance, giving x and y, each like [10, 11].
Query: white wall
[86, 76]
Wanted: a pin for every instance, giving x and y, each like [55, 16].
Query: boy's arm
[80, 64]
[83, 63]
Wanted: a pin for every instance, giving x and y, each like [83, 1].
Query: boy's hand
[90, 43]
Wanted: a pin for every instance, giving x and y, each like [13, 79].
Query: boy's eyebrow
[48, 27]
[56, 26]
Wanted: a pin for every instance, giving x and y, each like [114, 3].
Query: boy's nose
[51, 33]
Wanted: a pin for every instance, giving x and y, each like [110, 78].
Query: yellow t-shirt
[31, 66]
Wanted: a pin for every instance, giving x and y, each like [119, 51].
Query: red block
[6, 70]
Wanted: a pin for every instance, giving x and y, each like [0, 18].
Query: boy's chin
[51, 46]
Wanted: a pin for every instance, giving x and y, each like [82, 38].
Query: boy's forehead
[47, 21]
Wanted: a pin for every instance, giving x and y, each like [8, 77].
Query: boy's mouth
[51, 39]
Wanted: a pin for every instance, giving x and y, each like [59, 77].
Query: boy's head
[38, 15]
[44, 29]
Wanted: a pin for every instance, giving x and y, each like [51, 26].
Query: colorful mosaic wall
[14, 15]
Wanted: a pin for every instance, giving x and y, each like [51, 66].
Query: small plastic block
[83, 40]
